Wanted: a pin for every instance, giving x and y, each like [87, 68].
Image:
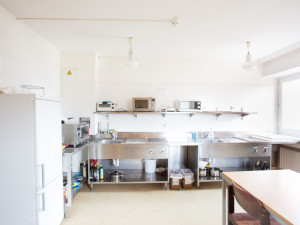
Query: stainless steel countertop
[70, 151]
[185, 139]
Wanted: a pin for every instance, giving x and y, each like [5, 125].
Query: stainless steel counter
[185, 138]
[68, 155]
[232, 151]
[70, 151]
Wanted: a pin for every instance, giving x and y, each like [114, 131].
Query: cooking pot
[215, 172]
[202, 172]
[116, 175]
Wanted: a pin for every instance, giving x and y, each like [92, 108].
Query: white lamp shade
[132, 64]
[249, 66]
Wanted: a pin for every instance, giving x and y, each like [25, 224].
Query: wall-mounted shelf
[217, 113]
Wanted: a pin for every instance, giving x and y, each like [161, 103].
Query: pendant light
[131, 64]
[249, 64]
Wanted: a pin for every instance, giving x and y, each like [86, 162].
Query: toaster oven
[189, 106]
[106, 106]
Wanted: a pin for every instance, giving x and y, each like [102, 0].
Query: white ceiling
[208, 28]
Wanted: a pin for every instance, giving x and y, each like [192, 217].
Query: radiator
[289, 159]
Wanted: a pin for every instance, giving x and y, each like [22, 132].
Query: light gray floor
[146, 204]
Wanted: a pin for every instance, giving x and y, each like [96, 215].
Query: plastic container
[150, 165]
[175, 179]
[187, 178]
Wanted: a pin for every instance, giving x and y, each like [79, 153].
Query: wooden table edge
[274, 214]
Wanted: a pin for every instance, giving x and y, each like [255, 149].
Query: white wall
[78, 92]
[25, 57]
[218, 84]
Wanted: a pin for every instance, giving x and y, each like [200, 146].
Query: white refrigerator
[31, 190]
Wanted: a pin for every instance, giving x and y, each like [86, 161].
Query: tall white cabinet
[31, 189]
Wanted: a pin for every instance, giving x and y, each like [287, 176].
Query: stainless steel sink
[110, 141]
[133, 141]
[215, 140]
[156, 140]
[136, 141]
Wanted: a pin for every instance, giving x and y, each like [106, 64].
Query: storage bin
[150, 165]
[187, 178]
[175, 179]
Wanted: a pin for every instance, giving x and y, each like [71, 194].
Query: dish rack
[33, 89]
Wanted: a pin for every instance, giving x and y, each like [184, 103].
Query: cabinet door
[50, 204]
[47, 141]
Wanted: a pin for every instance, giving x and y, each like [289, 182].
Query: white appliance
[31, 160]
[106, 106]
[189, 106]
[143, 104]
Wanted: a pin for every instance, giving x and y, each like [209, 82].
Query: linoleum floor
[146, 204]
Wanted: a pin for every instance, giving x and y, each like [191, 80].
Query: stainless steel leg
[69, 180]
[92, 187]
[225, 185]
[165, 186]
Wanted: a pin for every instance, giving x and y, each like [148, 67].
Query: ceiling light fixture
[174, 21]
[249, 65]
[132, 64]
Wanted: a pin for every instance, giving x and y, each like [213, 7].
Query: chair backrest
[249, 203]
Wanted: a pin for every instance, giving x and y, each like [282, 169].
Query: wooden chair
[256, 213]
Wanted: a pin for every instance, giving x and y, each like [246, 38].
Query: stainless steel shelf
[216, 113]
[75, 190]
[134, 176]
[225, 169]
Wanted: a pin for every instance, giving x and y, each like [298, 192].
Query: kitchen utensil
[214, 172]
[116, 175]
[160, 170]
[202, 172]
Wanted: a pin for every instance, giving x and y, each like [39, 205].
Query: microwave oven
[189, 106]
[106, 106]
[75, 134]
[143, 104]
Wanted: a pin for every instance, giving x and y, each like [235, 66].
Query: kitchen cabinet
[31, 160]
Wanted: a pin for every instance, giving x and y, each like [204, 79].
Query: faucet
[113, 134]
[211, 135]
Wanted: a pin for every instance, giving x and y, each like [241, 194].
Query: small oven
[143, 104]
[189, 106]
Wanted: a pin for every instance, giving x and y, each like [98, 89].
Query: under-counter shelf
[224, 169]
[216, 113]
[74, 189]
[133, 176]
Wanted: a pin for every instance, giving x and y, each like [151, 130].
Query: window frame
[281, 130]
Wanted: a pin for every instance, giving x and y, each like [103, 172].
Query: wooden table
[278, 191]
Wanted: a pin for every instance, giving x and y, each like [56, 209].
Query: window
[289, 106]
